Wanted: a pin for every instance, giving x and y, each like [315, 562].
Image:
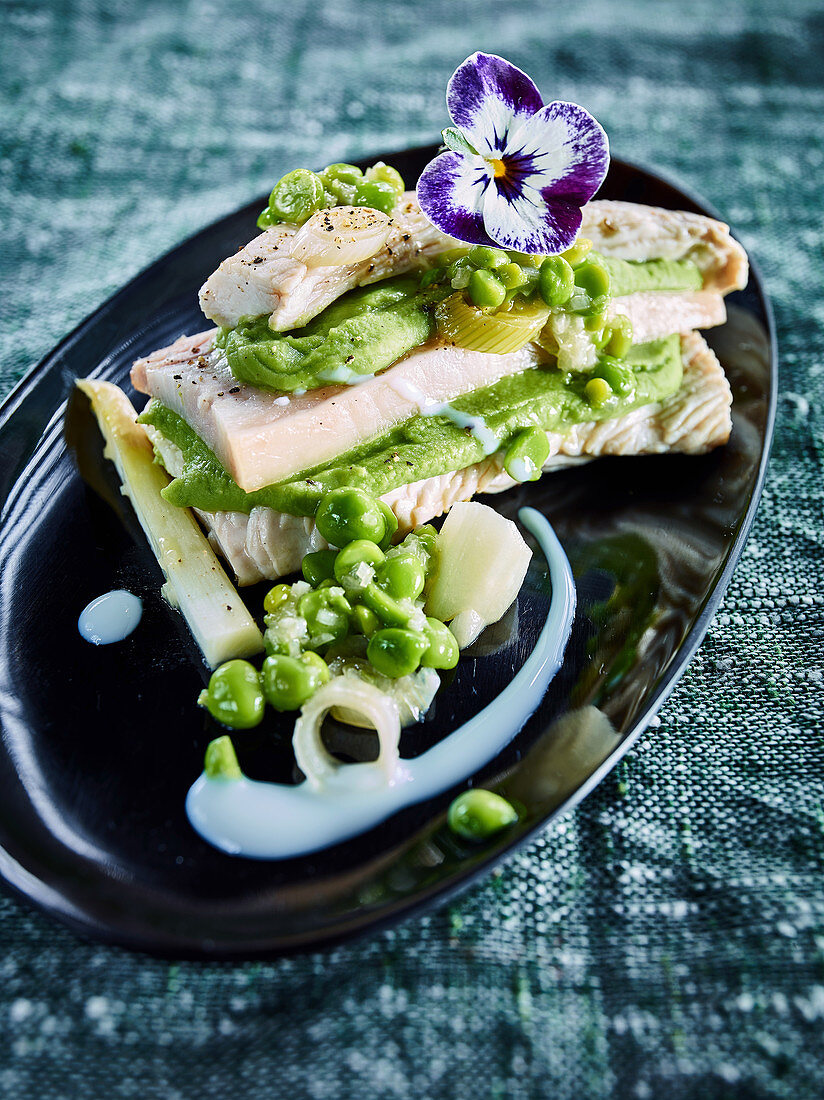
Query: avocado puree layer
[365, 331]
[426, 446]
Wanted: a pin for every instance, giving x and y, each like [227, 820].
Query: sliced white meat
[630, 231]
[264, 277]
[266, 544]
[657, 313]
[262, 437]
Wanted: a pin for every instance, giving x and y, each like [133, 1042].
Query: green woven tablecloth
[667, 938]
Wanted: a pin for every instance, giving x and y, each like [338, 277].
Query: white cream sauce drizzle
[110, 618]
[476, 424]
[275, 821]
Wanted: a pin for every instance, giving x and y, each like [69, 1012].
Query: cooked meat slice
[658, 313]
[261, 437]
[269, 544]
[264, 278]
[630, 231]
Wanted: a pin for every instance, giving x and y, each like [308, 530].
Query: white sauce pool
[275, 821]
[110, 618]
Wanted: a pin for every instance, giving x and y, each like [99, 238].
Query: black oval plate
[101, 744]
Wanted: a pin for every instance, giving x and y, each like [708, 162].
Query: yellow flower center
[498, 168]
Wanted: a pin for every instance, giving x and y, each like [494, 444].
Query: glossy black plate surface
[101, 744]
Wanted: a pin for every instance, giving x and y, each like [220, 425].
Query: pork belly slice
[266, 544]
[263, 278]
[630, 231]
[262, 437]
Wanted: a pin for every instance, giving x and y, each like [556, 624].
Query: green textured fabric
[667, 938]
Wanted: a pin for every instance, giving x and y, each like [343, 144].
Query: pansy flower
[517, 172]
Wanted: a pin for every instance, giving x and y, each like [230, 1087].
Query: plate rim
[46, 899]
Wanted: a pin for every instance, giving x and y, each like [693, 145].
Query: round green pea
[326, 612]
[385, 173]
[478, 814]
[592, 277]
[402, 576]
[297, 196]
[427, 536]
[276, 597]
[620, 336]
[288, 681]
[396, 652]
[375, 193]
[486, 290]
[391, 521]
[347, 560]
[345, 515]
[481, 255]
[234, 697]
[442, 651]
[556, 281]
[318, 566]
[598, 391]
[527, 454]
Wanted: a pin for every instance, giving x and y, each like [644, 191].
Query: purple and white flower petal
[486, 97]
[535, 166]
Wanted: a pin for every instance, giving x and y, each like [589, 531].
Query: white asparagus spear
[195, 580]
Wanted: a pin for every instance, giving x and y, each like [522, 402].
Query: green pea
[276, 597]
[593, 278]
[317, 666]
[327, 612]
[486, 290]
[234, 697]
[620, 338]
[527, 454]
[427, 536]
[296, 197]
[343, 172]
[556, 281]
[478, 814]
[598, 391]
[391, 521]
[402, 576]
[595, 313]
[396, 652]
[618, 376]
[345, 515]
[288, 681]
[482, 256]
[384, 173]
[576, 253]
[366, 621]
[442, 650]
[358, 553]
[512, 276]
[352, 646]
[318, 566]
[526, 259]
[374, 193]
[220, 761]
[390, 611]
